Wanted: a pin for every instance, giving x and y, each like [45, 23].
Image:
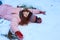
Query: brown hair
[24, 20]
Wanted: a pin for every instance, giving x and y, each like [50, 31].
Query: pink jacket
[7, 12]
[12, 14]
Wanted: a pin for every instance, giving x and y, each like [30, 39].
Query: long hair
[24, 20]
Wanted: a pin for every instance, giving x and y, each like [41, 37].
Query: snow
[49, 29]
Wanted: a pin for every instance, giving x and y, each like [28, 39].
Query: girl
[19, 16]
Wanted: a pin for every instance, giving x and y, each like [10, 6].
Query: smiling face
[25, 16]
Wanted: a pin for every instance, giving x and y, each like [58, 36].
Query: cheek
[25, 15]
[28, 14]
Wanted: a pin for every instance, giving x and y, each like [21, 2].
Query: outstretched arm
[36, 11]
[14, 28]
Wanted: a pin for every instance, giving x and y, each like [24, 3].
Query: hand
[19, 35]
[43, 12]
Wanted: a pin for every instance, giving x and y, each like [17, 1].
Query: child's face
[25, 14]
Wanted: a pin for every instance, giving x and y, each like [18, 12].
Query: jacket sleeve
[35, 19]
[14, 25]
[36, 11]
[14, 28]
[32, 18]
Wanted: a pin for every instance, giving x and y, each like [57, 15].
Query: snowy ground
[49, 29]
